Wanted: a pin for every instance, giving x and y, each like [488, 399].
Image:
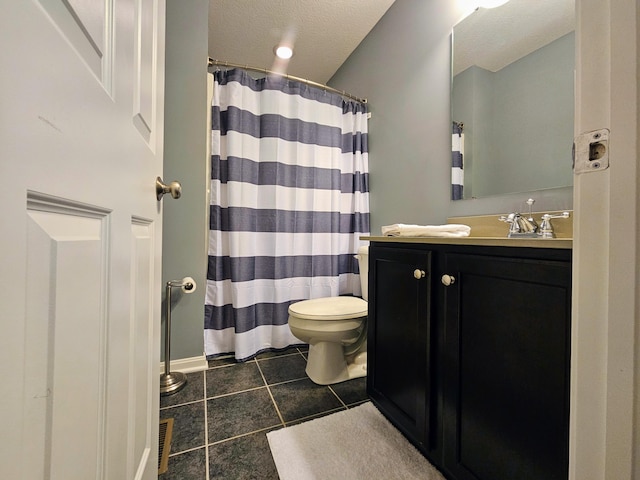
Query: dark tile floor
[223, 414]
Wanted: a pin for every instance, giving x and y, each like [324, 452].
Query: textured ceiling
[324, 32]
[494, 38]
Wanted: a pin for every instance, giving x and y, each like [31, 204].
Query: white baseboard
[187, 365]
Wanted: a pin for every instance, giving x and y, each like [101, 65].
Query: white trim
[604, 428]
[187, 365]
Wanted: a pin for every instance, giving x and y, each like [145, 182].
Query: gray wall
[184, 229]
[403, 67]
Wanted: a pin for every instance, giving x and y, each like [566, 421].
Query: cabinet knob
[418, 274]
[448, 280]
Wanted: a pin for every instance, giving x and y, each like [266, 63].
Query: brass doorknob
[418, 274]
[174, 188]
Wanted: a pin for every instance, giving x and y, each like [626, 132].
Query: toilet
[336, 330]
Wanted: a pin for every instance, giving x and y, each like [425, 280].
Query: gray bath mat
[358, 443]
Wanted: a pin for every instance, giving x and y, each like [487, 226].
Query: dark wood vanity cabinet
[493, 384]
[399, 339]
[506, 381]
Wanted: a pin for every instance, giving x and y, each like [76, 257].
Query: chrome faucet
[519, 226]
[546, 229]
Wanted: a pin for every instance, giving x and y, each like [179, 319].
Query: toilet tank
[363, 262]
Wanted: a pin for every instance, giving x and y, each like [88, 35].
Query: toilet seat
[329, 308]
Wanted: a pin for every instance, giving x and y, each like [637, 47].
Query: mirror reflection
[513, 98]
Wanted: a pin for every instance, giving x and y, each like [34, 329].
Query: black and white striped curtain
[457, 154]
[289, 201]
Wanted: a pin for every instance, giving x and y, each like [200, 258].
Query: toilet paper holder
[173, 382]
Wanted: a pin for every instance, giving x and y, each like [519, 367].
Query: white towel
[449, 230]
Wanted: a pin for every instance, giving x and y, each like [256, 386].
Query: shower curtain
[289, 201]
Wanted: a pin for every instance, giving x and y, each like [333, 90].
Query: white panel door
[81, 121]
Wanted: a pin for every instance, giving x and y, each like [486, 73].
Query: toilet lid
[329, 308]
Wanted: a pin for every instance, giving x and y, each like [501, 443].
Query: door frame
[604, 433]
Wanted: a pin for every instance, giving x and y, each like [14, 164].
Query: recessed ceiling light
[283, 51]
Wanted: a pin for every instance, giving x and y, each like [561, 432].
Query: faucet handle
[546, 229]
[562, 215]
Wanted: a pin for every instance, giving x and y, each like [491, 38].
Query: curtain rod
[219, 63]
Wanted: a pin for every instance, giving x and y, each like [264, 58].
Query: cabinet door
[398, 380]
[506, 397]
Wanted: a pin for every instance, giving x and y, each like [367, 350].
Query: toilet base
[327, 363]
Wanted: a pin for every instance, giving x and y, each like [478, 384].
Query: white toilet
[336, 330]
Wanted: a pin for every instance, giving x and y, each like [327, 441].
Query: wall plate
[591, 151]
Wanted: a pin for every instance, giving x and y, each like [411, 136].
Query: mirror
[513, 94]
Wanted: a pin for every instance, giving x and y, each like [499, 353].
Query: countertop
[565, 243]
[488, 230]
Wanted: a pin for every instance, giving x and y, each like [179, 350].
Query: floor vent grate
[166, 429]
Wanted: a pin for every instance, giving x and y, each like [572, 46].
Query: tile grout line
[179, 405]
[284, 382]
[315, 416]
[206, 426]
[226, 365]
[256, 359]
[241, 435]
[175, 454]
[215, 397]
[293, 353]
[270, 394]
[337, 396]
